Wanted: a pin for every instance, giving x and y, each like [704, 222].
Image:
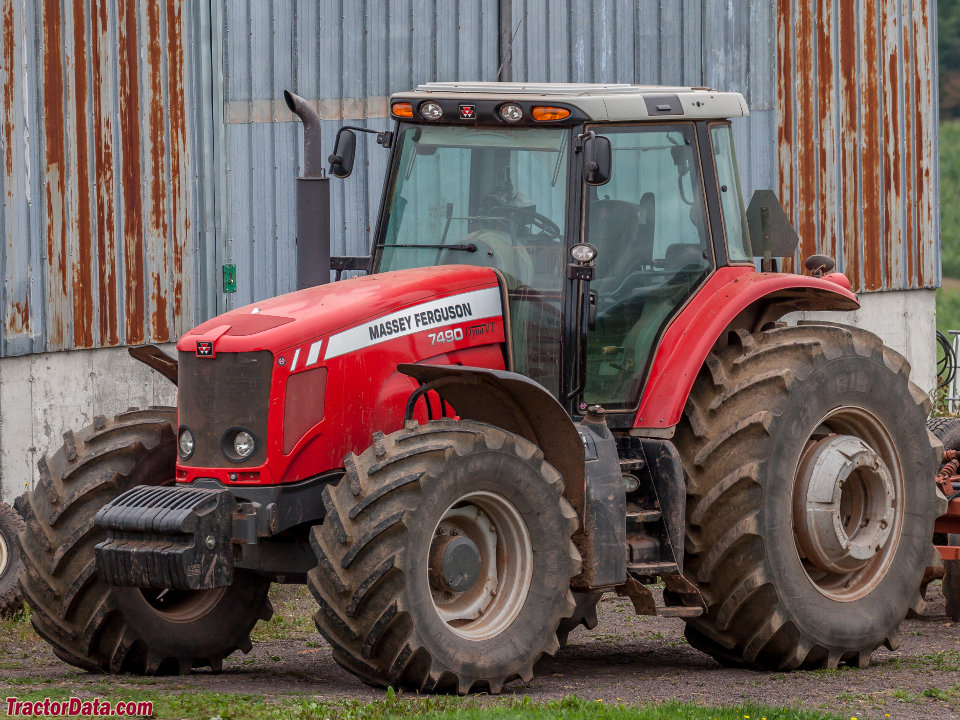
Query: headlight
[185, 442]
[244, 444]
[511, 113]
[583, 253]
[431, 111]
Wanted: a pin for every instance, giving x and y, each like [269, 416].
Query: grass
[223, 706]
[289, 619]
[16, 626]
[940, 661]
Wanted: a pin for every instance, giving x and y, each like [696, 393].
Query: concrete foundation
[907, 322]
[42, 396]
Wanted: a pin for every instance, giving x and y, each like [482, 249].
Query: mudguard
[731, 297]
[517, 404]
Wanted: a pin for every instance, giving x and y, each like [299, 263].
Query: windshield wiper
[464, 247]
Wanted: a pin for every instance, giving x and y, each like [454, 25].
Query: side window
[731, 195]
[649, 225]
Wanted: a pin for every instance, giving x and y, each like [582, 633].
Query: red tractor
[561, 376]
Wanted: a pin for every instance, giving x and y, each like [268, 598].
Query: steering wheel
[549, 230]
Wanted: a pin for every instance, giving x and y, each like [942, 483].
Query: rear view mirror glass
[341, 161]
[597, 159]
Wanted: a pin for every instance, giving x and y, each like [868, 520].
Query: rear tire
[767, 413]
[99, 627]
[383, 608]
[11, 566]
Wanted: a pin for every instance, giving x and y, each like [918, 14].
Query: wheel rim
[4, 555]
[182, 606]
[847, 504]
[494, 540]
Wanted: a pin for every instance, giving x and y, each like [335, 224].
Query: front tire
[811, 498]
[392, 607]
[99, 627]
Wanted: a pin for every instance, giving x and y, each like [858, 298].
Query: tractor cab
[514, 177]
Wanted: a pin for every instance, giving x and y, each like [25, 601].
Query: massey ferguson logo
[468, 112]
[204, 348]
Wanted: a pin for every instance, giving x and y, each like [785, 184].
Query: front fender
[516, 404]
[731, 297]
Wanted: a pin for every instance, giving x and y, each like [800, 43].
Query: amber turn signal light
[545, 112]
[403, 109]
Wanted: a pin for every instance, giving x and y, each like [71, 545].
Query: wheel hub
[455, 563]
[480, 565]
[844, 509]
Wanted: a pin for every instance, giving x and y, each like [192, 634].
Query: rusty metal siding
[347, 58]
[97, 148]
[144, 145]
[857, 136]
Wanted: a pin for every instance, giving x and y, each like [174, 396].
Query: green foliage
[948, 32]
[948, 296]
[950, 198]
[948, 308]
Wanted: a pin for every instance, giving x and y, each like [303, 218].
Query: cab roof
[597, 102]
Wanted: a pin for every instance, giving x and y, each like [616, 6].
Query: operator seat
[623, 233]
[681, 255]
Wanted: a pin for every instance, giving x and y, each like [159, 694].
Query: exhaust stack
[313, 200]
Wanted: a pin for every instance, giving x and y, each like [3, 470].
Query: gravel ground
[626, 657]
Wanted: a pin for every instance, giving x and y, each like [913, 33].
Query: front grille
[215, 394]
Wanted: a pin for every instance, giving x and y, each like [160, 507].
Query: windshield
[494, 197]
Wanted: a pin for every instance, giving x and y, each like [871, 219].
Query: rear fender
[733, 298]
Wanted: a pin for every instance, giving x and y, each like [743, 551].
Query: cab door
[650, 226]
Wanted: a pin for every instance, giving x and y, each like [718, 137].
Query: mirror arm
[384, 137]
[581, 139]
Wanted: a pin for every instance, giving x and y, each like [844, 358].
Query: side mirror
[345, 147]
[597, 159]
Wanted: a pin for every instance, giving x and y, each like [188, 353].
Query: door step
[643, 516]
[645, 604]
[652, 568]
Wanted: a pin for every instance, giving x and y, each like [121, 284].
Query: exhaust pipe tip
[313, 161]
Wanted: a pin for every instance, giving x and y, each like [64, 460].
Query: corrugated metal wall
[725, 44]
[97, 174]
[857, 137]
[146, 144]
[346, 57]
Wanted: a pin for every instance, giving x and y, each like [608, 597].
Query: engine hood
[287, 320]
